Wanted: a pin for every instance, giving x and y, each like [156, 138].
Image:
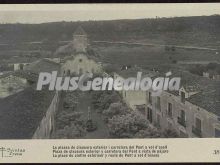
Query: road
[162, 45]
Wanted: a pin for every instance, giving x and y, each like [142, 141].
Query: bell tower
[80, 41]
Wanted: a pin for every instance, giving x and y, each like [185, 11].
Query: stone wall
[79, 65]
[209, 121]
[47, 124]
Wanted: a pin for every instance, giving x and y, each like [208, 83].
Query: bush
[115, 109]
[66, 119]
[170, 134]
[126, 126]
[70, 132]
[198, 70]
[101, 100]
[71, 100]
[69, 125]
[149, 132]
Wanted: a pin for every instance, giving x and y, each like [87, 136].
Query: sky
[84, 12]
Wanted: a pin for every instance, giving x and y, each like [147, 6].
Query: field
[151, 56]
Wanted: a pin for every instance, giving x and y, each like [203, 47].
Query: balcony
[196, 131]
[181, 121]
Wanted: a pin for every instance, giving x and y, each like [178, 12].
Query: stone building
[80, 40]
[82, 59]
[11, 83]
[136, 100]
[191, 112]
[29, 113]
[47, 124]
[212, 75]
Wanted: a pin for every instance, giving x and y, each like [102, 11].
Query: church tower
[80, 41]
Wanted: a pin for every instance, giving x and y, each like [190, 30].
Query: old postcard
[110, 83]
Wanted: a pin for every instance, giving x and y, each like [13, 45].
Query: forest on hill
[199, 30]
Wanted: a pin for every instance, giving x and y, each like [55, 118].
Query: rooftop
[132, 72]
[43, 65]
[208, 96]
[21, 113]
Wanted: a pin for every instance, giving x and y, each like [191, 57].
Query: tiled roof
[30, 76]
[208, 91]
[22, 74]
[43, 65]
[208, 98]
[21, 113]
[15, 60]
[132, 72]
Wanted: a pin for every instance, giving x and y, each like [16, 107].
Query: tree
[115, 109]
[212, 66]
[110, 68]
[101, 100]
[126, 126]
[70, 132]
[66, 119]
[152, 132]
[69, 125]
[198, 69]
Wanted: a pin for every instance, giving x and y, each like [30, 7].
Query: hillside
[42, 40]
[201, 30]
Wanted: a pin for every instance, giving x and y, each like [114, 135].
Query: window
[80, 60]
[150, 98]
[183, 96]
[182, 118]
[183, 115]
[21, 66]
[149, 114]
[170, 110]
[217, 132]
[198, 124]
[158, 103]
[197, 128]
[158, 120]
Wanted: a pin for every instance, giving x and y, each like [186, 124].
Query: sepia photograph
[97, 71]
